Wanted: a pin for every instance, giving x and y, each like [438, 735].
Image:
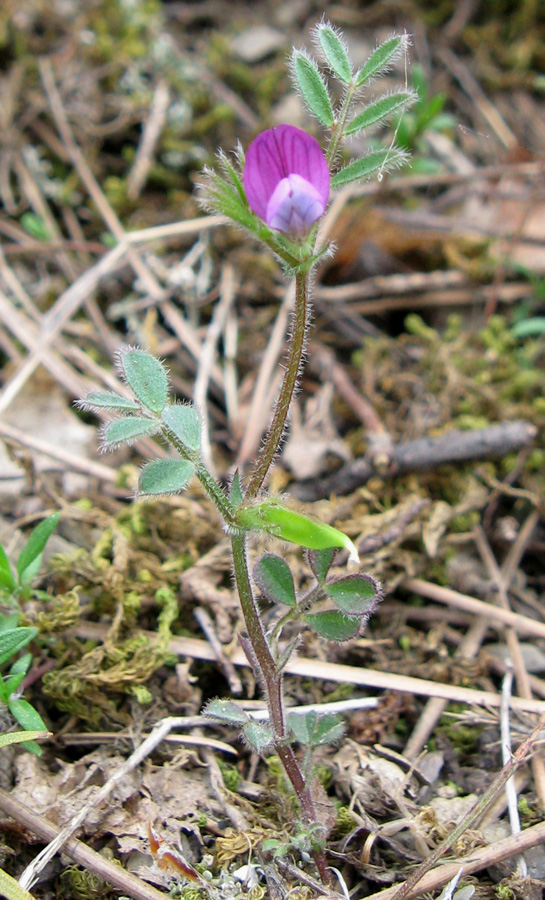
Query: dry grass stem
[314, 668]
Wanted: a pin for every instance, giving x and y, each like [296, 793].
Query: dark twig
[425, 453]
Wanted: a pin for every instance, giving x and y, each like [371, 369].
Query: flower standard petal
[262, 171]
[302, 155]
[276, 155]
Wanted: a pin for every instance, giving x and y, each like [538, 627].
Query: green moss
[81, 884]
[453, 328]
[464, 738]
[466, 522]
[401, 727]
[504, 892]
[231, 775]
[416, 326]
[535, 462]
[324, 775]
[141, 693]
[192, 893]
[345, 822]
[84, 503]
[341, 692]
[471, 422]
[405, 642]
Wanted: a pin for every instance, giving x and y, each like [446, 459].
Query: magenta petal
[275, 155]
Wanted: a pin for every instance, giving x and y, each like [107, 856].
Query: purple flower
[286, 178]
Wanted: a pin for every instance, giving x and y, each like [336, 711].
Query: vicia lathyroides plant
[278, 193]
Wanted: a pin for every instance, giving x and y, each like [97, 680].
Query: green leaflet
[382, 58]
[165, 476]
[147, 377]
[361, 168]
[380, 110]
[334, 51]
[313, 88]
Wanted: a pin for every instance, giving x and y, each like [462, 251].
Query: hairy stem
[271, 681]
[277, 427]
[338, 129]
[209, 483]
[271, 678]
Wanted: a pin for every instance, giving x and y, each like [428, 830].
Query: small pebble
[258, 42]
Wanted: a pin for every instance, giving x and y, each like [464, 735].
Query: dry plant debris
[419, 431]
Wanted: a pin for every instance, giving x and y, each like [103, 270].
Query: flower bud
[275, 518]
[287, 180]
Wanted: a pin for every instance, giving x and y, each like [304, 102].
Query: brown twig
[267, 383]
[139, 755]
[380, 448]
[470, 645]
[517, 659]
[150, 135]
[207, 357]
[69, 460]
[373, 542]
[425, 453]
[482, 858]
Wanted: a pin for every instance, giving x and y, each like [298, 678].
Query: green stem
[277, 427]
[338, 129]
[216, 494]
[209, 483]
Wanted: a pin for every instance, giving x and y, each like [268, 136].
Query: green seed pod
[275, 518]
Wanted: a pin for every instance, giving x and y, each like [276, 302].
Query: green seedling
[15, 588]
[426, 114]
